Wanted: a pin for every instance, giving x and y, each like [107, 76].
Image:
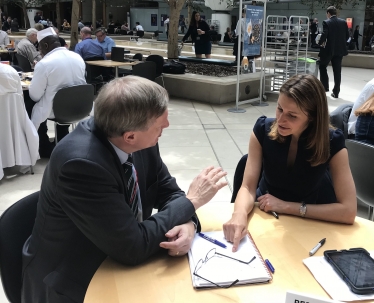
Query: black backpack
[173, 67]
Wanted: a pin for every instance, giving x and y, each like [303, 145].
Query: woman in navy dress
[297, 164]
[198, 30]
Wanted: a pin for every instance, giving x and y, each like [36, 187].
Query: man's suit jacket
[335, 30]
[83, 217]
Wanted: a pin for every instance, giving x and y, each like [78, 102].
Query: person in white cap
[59, 68]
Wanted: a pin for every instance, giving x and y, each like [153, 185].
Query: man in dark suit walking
[333, 44]
[99, 190]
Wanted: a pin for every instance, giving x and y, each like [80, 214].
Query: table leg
[116, 71]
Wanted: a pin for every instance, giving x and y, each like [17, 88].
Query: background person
[59, 68]
[14, 27]
[166, 26]
[364, 95]
[4, 39]
[138, 27]
[305, 163]
[365, 122]
[228, 35]
[7, 24]
[88, 48]
[198, 30]
[37, 17]
[105, 42]
[242, 25]
[65, 25]
[357, 34]
[335, 35]
[91, 207]
[314, 31]
[27, 48]
[62, 40]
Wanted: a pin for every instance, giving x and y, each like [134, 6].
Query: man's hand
[204, 187]
[179, 239]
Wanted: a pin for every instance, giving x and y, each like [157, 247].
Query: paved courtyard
[199, 135]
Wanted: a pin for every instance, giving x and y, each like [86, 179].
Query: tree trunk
[189, 14]
[175, 9]
[27, 21]
[94, 14]
[104, 14]
[74, 24]
[58, 14]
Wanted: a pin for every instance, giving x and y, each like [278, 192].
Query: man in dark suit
[88, 206]
[333, 44]
[314, 32]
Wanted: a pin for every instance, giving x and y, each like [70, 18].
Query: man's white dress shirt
[58, 69]
[139, 28]
[4, 38]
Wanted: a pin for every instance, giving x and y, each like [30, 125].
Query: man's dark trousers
[336, 62]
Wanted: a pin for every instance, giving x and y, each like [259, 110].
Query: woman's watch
[302, 209]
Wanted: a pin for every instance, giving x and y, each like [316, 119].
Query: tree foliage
[313, 4]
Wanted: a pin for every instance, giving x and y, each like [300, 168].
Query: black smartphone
[355, 267]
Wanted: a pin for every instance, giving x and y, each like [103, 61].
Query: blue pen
[269, 265]
[212, 240]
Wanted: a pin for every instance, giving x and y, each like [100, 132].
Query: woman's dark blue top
[301, 182]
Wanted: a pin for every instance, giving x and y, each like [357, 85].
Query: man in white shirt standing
[166, 25]
[59, 68]
[240, 25]
[139, 27]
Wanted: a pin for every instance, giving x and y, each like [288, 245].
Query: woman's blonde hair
[367, 108]
[309, 94]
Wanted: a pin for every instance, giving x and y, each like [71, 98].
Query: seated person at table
[7, 24]
[59, 68]
[105, 42]
[65, 25]
[14, 28]
[4, 39]
[62, 40]
[365, 122]
[365, 94]
[80, 25]
[98, 192]
[228, 35]
[301, 162]
[27, 48]
[212, 31]
[125, 27]
[138, 27]
[88, 48]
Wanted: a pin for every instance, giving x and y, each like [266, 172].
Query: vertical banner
[349, 22]
[153, 19]
[253, 30]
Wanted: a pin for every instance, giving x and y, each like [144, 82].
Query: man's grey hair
[31, 31]
[100, 30]
[129, 104]
[86, 30]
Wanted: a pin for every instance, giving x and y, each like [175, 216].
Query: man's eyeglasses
[209, 256]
